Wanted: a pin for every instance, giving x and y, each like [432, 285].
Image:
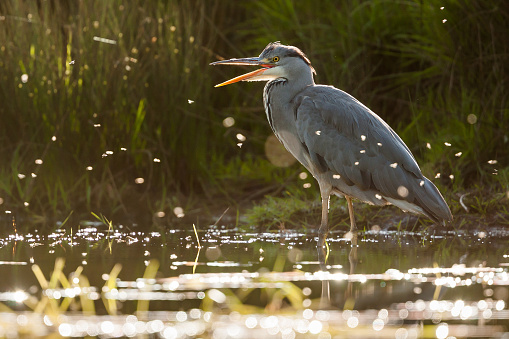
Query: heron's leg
[352, 259]
[324, 226]
[353, 226]
[322, 238]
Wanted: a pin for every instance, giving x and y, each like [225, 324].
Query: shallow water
[232, 283]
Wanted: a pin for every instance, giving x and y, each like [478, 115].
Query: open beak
[257, 75]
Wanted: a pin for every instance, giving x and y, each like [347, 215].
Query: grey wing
[344, 137]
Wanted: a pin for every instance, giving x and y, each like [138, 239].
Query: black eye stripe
[286, 51]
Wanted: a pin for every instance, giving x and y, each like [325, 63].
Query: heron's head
[276, 60]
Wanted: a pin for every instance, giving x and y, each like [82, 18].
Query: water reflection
[290, 284]
[323, 254]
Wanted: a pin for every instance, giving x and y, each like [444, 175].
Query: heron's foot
[353, 228]
[323, 230]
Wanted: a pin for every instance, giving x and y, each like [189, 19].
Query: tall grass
[100, 113]
[141, 104]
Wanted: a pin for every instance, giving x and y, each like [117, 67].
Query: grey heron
[347, 148]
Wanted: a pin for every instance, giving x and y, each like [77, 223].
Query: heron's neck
[287, 87]
[299, 79]
[278, 99]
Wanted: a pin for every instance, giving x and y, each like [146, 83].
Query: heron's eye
[275, 59]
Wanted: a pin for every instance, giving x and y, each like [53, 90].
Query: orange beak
[251, 76]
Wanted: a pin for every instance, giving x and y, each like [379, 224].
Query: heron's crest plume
[285, 51]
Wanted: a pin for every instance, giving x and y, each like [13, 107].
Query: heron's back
[360, 155]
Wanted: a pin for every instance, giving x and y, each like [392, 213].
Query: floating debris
[104, 40]
[228, 122]
[472, 119]
[179, 212]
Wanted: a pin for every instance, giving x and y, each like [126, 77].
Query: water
[231, 283]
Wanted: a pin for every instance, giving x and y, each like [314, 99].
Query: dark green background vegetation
[436, 71]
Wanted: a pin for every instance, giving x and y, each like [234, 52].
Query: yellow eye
[275, 59]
